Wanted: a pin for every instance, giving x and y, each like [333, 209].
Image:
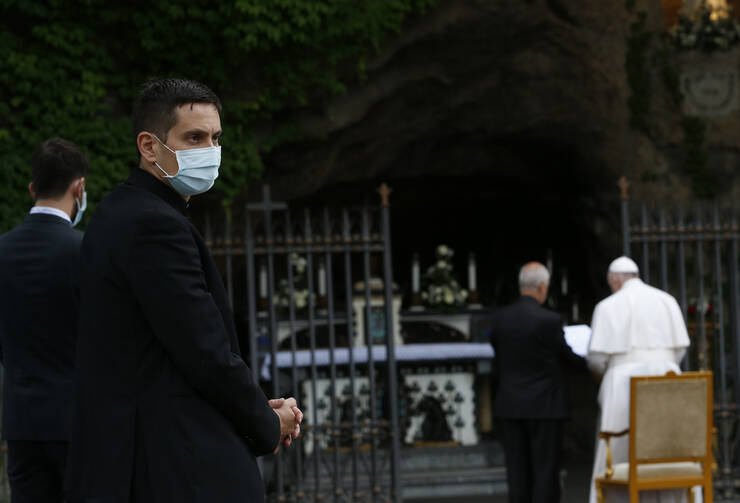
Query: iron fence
[691, 251]
[293, 263]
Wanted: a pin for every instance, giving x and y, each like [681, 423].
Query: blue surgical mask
[197, 169]
[81, 207]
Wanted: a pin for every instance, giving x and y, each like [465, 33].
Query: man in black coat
[167, 410]
[531, 403]
[39, 263]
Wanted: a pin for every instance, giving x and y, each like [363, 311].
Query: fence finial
[385, 191]
[624, 186]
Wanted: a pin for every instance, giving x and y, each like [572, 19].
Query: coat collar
[145, 180]
[529, 299]
[45, 218]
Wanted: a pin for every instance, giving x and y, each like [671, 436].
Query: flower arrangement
[441, 290]
[300, 286]
[692, 307]
[709, 27]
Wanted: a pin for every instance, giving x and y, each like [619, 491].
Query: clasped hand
[290, 419]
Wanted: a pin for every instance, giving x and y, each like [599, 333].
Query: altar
[444, 387]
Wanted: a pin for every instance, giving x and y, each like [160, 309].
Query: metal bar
[720, 332]
[229, 278]
[351, 344]
[735, 307]
[314, 371]
[681, 232]
[391, 350]
[645, 246]
[663, 250]
[293, 348]
[272, 317]
[374, 489]
[623, 185]
[335, 429]
[251, 300]
[252, 306]
[701, 314]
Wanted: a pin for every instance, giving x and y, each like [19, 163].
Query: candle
[564, 283]
[415, 274]
[322, 280]
[471, 273]
[575, 310]
[263, 282]
[549, 260]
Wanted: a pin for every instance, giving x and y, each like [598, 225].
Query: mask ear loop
[166, 175]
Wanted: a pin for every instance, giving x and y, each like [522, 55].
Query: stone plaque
[710, 86]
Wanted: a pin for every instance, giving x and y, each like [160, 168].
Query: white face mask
[197, 169]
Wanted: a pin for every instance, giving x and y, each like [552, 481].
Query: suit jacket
[531, 355]
[38, 327]
[167, 409]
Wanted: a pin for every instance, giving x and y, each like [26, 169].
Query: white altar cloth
[576, 336]
[407, 352]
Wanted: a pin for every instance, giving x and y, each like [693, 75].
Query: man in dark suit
[167, 410]
[39, 263]
[531, 404]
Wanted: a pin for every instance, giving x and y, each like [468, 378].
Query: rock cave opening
[542, 202]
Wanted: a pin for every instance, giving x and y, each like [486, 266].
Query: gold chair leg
[600, 493]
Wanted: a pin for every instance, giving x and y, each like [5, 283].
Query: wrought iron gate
[691, 251]
[319, 335]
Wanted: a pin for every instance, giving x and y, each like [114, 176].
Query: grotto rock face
[511, 89]
[521, 91]
[503, 127]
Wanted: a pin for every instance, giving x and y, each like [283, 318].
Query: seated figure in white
[637, 331]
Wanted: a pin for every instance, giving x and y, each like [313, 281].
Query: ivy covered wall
[72, 69]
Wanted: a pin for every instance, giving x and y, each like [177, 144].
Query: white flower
[449, 297]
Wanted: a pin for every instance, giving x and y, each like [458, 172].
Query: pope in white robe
[637, 331]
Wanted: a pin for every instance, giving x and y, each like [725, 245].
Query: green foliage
[72, 69]
[643, 47]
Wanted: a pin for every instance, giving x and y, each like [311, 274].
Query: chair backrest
[671, 417]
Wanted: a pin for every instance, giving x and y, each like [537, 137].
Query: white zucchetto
[624, 265]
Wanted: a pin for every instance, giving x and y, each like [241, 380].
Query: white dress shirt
[48, 210]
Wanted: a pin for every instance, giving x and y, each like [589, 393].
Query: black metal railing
[694, 249]
[349, 451]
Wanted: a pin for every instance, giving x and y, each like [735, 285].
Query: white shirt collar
[48, 210]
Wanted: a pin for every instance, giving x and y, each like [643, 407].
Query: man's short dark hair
[155, 109]
[55, 164]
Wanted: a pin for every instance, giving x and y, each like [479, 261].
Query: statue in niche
[434, 428]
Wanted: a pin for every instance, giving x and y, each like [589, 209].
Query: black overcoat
[167, 410]
[531, 357]
[38, 327]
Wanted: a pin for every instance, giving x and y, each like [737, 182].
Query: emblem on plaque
[710, 85]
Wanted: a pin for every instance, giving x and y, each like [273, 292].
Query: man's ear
[80, 188]
[31, 191]
[145, 142]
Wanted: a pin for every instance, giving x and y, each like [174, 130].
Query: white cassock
[637, 331]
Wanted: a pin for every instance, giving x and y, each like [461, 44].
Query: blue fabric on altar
[576, 336]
